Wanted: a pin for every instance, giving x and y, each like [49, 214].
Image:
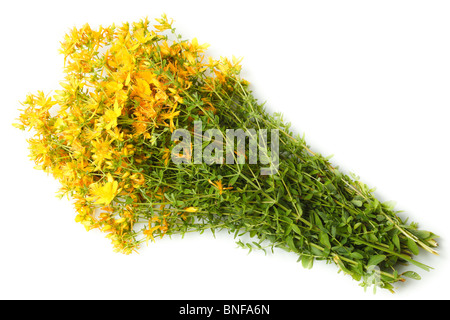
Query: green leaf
[396, 241]
[419, 264]
[233, 180]
[299, 209]
[307, 261]
[421, 234]
[324, 239]
[390, 205]
[257, 244]
[412, 275]
[376, 259]
[413, 246]
[316, 251]
[296, 229]
[357, 203]
[356, 255]
[240, 243]
[318, 221]
[290, 243]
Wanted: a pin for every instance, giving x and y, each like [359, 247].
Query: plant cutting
[150, 137]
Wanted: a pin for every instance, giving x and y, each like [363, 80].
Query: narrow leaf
[324, 239]
[413, 246]
[412, 275]
[296, 229]
[356, 255]
[396, 241]
[376, 259]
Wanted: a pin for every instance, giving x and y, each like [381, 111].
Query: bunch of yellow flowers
[109, 126]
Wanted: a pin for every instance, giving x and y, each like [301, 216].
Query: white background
[367, 81]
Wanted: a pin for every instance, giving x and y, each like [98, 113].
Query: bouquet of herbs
[150, 137]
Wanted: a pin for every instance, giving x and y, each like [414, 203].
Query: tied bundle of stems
[108, 136]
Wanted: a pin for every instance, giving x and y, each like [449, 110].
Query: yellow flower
[113, 87]
[101, 151]
[141, 37]
[218, 185]
[196, 47]
[149, 233]
[166, 156]
[107, 228]
[142, 88]
[164, 23]
[111, 116]
[105, 194]
[170, 116]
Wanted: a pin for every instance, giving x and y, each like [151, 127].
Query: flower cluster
[108, 127]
